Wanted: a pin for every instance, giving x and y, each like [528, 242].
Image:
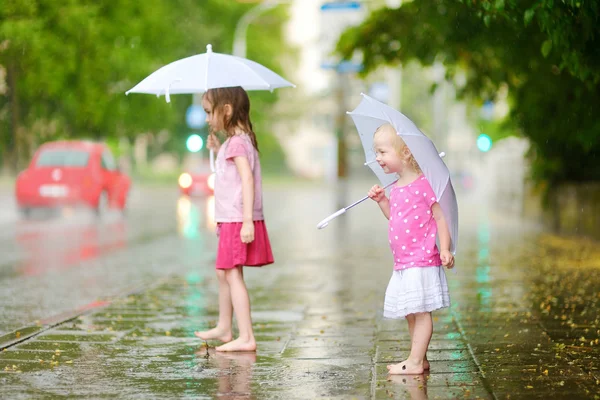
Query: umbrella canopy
[209, 70]
[370, 115]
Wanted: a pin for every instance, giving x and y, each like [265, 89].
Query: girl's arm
[444, 234]
[377, 193]
[243, 167]
[384, 204]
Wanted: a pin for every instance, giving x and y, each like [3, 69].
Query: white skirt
[416, 290]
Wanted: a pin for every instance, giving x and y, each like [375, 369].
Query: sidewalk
[140, 346]
[317, 314]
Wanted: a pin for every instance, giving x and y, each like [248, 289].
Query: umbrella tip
[209, 48]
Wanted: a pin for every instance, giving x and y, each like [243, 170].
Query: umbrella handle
[336, 214]
[326, 221]
[212, 161]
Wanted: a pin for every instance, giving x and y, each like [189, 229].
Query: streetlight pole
[239, 37]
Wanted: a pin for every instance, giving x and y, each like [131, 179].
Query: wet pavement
[107, 309]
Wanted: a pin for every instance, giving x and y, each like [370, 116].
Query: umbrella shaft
[366, 197]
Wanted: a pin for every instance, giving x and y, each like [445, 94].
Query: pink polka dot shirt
[412, 228]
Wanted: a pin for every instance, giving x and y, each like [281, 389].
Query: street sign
[337, 16]
[195, 116]
[380, 91]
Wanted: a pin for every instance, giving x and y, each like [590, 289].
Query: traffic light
[484, 143]
[194, 143]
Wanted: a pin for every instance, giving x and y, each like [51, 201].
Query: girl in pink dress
[243, 238]
[418, 285]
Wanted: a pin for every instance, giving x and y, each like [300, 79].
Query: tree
[498, 43]
[68, 64]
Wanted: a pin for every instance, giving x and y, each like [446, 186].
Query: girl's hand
[212, 143]
[247, 232]
[377, 193]
[447, 259]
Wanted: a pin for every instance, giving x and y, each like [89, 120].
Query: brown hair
[238, 99]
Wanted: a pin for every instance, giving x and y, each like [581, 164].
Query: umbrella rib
[383, 111]
[255, 73]
[208, 56]
[445, 187]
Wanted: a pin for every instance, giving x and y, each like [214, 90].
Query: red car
[72, 173]
[200, 182]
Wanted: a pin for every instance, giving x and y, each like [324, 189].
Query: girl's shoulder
[239, 145]
[241, 138]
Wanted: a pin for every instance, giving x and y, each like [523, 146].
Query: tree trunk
[11, 160]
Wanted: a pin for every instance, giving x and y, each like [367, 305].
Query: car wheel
[102, 205]
[25, 212]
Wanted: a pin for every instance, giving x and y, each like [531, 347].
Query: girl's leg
[411, 328]
[422, 331]
[222, 331]
[241, 307]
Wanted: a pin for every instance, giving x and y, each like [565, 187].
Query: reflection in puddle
[194, 216]
[414, 385]
[51, 247]
[234, 372]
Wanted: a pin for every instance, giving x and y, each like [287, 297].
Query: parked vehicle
[199, 182]
[72, 173]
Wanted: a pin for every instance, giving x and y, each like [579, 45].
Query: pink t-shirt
[228, 183]
[412, 228]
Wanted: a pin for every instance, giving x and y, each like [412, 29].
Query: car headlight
[211, 181]
[185, 180]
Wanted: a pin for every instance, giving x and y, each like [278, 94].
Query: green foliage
[68, 64]
[496, 43]
[570, 27]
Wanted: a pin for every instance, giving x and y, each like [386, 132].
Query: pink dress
[418, 283]
[231, 251]
[412, 228]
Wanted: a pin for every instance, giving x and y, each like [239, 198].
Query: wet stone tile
[333, 341]
[391, 356]
[403, 388]
[404, 335]
[441, 344]
[438, 379]
[327, 352]
[544, 388]
[65, 347]
[66, 336]
[336, 331]
[324, 324]
[36, 355]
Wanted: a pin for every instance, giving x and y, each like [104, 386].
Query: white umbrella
[197, 74]
[370, 115]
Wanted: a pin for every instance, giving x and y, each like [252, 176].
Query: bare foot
[426, 365]
[215, 333]
[238, 345]
[405, 368]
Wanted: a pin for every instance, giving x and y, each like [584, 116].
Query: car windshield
[63, 158]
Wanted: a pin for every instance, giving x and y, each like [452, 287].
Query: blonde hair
[399, 145]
